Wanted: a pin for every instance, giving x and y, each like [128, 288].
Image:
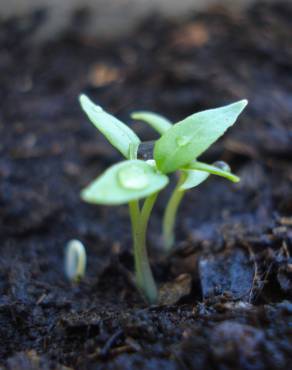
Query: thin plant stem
[139, 221]
[169, 217]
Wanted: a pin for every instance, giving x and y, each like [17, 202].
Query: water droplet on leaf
[222, 166]
[183, 140]
[133, 177]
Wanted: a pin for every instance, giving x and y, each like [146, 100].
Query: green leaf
[124, 182]
[187, 139]
[156, 121]
[193, 179]
[213, 170]
[117, 133]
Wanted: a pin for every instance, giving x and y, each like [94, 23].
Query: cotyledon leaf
[123, 182]
[213, 169]
[156, 121]
[198, 172]
[189, 138]
[117, 133]
[193, 178]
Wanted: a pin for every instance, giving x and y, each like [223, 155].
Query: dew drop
[133, 177]
[222, 166]
[183, 140]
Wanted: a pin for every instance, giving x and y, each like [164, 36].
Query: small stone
[227, 272]
[173, 291]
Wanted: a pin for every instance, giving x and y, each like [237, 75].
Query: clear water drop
[183, 140]
[133, 177]
[222, 166]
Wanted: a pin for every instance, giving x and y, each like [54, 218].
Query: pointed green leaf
[156, 121]
[213, 170]
[193, 179]
[117, 133]
[124, 182]
[187, 139]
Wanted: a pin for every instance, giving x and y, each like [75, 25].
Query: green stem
[169, 217]
[139, 220]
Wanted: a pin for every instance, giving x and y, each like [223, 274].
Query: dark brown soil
[234, 240]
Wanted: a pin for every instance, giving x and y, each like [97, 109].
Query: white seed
[75, 260]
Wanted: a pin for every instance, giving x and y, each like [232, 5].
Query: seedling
[134, 179]
[196, 132]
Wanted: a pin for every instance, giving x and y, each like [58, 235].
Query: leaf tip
[244, 103]
[241, 104]
[83, 99]
[85, 195]
[135, 115]
[87, 103]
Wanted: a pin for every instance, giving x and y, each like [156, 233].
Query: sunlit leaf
[187, 139]
[124, 182]
[117, 133]
[156, 121]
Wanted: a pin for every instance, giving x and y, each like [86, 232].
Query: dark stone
[228, 272]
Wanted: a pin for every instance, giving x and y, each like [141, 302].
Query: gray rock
[229, 272]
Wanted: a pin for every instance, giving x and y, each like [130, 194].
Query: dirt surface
[234, 240]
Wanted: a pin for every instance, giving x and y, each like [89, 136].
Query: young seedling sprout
[134, 179]
[205, 128]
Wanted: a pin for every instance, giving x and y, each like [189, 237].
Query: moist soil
[233, 241]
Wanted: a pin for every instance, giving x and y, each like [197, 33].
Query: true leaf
[117, 133]
[124, 182]
[195, 165]
[156, 121]
[187, 139]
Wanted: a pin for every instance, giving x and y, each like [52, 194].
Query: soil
[234, 241]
